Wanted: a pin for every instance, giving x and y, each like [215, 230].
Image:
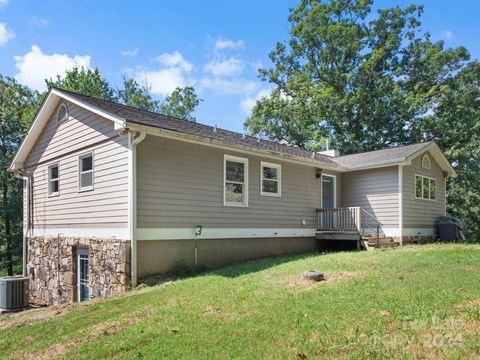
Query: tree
[181, 103]
[455, 125]
[85, 81]
[136, 95]
[365, 81]
[16, 107]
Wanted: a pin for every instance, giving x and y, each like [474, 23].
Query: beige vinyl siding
[375, 190]
[422, 213]
[180, 185]
[104, 206]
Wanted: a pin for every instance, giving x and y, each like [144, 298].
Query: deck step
[381, 242]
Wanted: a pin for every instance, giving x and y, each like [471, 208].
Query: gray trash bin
[451, 229]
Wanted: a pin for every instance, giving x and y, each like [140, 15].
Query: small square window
[85, 165]
[270, 183]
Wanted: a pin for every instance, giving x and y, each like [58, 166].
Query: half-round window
[426, 162]
[62, 114]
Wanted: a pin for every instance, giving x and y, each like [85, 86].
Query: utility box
[13, 292]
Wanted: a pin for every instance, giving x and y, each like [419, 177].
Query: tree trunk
[8, 228]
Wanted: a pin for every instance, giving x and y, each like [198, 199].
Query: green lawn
[418, 302]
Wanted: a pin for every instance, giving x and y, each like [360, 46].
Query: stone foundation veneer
[52, 268]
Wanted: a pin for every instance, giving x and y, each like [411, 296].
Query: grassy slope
[401, 303]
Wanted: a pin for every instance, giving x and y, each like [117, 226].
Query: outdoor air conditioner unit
[13, 292]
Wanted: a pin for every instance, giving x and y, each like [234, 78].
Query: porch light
[318, 173]
[198, 230]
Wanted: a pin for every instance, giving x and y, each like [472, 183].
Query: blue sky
[215, 45]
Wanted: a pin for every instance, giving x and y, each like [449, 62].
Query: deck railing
[339, 219]
[348, 220]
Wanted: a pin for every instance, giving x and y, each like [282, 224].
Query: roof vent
[62, 114]
[426, 164]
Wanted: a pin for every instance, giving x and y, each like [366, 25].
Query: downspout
[133, 140]
[400, 202]
[27, 221]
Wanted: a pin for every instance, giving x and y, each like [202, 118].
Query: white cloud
[130, 53]
[233, 86]
[37, 23]
[5, 34]
[447, 34]
[221, 44]
[173, 73]
[176, 60]
[249, 101]
[35, 66]
[162, 82]
[227, 67]
[3, 3]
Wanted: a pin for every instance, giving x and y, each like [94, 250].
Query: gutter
[169, 134]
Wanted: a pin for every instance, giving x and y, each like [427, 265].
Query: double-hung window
[235, 181]
[271, 177]
[85, 173]
[425, 187]
[53, 180]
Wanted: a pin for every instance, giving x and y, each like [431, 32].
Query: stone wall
[52, 268]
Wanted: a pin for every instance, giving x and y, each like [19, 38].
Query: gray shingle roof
[143, 117]
[371, 158]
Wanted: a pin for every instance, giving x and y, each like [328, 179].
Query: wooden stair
[370, 242]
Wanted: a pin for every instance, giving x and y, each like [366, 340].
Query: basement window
[53, 180]
[270, 179]
[235, 181]
[425, 187]
[85, 174]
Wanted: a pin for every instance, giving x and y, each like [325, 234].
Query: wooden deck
[351, 224]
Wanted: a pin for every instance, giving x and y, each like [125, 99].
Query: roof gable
[44, 113]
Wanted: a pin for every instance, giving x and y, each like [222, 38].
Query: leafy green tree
[16, 108]
[181, 103]
[84, 81]
[455, 125]
[363, 80]
[136, 95]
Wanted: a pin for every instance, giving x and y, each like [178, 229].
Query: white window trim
[66, 117]
[334, 189]
[80, 157]
[49, 180]
[429, 167]
[415, 187]
[245, 162]
[278, 180]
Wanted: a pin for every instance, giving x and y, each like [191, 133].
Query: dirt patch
[60, 349]
[300, 283]
[33, 316]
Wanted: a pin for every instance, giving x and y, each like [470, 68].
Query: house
[113, 194]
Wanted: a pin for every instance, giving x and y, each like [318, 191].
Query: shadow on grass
[182, 270]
